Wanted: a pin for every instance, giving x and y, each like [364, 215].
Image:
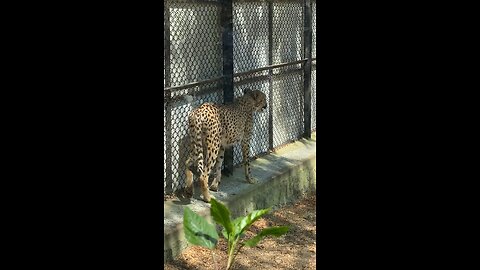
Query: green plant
[201, 233]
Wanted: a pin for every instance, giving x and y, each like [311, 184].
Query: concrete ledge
[282, 176]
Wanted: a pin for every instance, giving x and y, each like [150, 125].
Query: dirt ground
[295, 250]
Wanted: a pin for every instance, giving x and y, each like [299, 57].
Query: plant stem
[230, 260]
[231, 248]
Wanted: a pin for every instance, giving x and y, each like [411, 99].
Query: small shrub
[198, 231]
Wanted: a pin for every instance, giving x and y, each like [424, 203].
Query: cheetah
[212, 128]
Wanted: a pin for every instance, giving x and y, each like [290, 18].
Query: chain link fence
[215, 49]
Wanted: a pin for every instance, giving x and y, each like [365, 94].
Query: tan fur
[214, 127]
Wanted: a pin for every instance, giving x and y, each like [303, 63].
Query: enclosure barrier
[213, 49]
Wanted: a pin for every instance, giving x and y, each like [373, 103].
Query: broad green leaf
[244, 223]
[221, 215]
[273, 231]
[224, 233]
[236, 226]
[198, 231]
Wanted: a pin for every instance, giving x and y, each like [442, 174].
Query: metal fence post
[270, 75]
[226, 22]
[307, 75]
[168, 106]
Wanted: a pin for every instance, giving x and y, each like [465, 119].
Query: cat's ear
[247, 91]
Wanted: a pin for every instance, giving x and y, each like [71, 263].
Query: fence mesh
[314, 29]
[287, 33]
[265, 32]
[250, 35]
[287, 107]
[195, 41]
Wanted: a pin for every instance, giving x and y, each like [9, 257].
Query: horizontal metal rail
[216, 2]
[250, 80]
[269, 67]
[194, 84]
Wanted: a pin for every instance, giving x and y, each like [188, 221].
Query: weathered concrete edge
[290, 183]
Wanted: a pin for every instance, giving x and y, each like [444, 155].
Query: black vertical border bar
[307, 70]
[167, 100]
[226, 22]
[270, 75]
